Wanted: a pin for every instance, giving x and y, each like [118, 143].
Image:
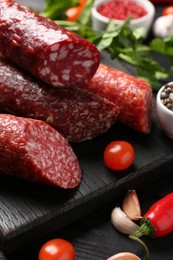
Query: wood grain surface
[95, 238]
[31, 211]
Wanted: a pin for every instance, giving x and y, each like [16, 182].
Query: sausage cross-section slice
[77, 114]
[51, 53]
[133, 96]
[33, 150]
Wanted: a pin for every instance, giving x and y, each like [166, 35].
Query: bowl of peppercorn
[164, 108]
[141, 13]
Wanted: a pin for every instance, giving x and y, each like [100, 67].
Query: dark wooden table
[93, 235]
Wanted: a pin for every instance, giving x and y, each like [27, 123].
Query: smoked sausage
[51, 53]
[33, 150]
[77, 114]
[133, 96]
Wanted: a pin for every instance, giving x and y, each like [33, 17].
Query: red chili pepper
[158, 220]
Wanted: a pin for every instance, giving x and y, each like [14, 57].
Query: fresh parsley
[120, 42]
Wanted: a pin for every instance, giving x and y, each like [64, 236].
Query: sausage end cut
[33, 150]
[48, 51]
[133, 96]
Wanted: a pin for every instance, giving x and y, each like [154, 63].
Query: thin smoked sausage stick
[33, 150]
[37, 44]
[77, 114]
[133, 96]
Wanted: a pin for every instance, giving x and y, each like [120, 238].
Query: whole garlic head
[163, 26]
[124, 256]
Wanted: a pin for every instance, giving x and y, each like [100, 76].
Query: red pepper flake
[121, 10]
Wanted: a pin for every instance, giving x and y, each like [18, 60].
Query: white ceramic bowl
[99, 22]
[165, 115]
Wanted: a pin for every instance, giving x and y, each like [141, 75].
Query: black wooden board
[30, 211]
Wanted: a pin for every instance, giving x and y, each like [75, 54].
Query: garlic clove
[122, 223]
[131, 205]
[124, 256]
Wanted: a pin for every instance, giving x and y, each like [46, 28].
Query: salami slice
[77, 114]
[33, 150]
[51, 53]
[133, 95]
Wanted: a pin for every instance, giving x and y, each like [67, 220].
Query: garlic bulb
[122, 223]
[163, 26]
[124, 256]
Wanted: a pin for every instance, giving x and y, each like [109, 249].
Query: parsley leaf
[119, 41]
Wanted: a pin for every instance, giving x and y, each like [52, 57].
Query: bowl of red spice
[164, 108]
[141, 13]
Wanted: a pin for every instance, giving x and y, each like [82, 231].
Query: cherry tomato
[83, 2]
[73, 13]
[119, 155]
[57, 249]
[167, 10]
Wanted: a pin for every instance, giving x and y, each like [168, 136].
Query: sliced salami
[77, 114]
[33, 150]
[48, 51]
[133, 95]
